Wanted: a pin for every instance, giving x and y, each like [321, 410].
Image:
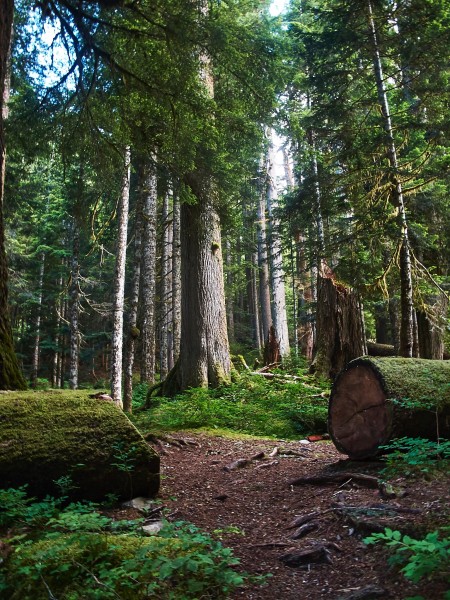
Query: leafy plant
[417, 558]
[412, 456]
[80, 554]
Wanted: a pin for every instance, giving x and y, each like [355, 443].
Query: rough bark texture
[133, 331]
[74, 309]
[54, 434]
[431, 328]
[263, 266]
[10, 375]
[204, 354]
[148, 275]
[376, 399]
[176, 280]
[340, 333]
[119, 285]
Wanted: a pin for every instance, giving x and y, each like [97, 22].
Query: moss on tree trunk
[55, 434]
[375, 399]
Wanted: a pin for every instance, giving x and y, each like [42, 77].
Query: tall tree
[119, 284]
[10, 375]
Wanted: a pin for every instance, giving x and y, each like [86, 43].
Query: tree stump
[376, 399]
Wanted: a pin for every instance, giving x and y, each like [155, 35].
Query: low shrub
[76, 553]
[252, 405]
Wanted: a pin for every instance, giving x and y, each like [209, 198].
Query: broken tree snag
[376, 399]
[340, 331]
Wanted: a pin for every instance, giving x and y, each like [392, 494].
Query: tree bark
[148, 286]
[339, 328]
[176, 278]
[431, 329]
[276, 261]
[119, 286]
[204, 354]
[133, 331]
[165, 299]
[10, 374]
[263, 267]
[74, 341]
[376, 399]
[37, 325]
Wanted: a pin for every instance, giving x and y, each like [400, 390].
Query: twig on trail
[270, 545]
[266, 465]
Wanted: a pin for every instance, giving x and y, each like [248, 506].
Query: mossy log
[376, 399]
[90, 443]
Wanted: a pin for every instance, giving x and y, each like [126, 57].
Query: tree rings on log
[376, 399]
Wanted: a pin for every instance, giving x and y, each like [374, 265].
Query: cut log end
[376, 399]
[359, 415]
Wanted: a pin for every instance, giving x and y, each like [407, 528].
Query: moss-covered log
[376, 399]
[89, 443]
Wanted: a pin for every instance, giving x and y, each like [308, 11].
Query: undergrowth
[251, 405]
[75, 552]
[417, 559]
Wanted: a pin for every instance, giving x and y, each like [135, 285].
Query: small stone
[140, 503]
[152, 528]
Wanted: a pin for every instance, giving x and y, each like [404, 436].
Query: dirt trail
[206, 482]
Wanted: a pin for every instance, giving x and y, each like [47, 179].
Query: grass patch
[252, 405]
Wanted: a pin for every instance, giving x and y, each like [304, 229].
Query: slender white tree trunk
[148, 281]
[133, 332]
[74, 341]
[276, 259]
[37, 325]
[119, 286]
[263, 264]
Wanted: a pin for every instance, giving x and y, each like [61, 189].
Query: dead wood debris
[327, 479]
[302, 559]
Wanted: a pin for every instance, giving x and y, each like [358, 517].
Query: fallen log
[374, 400]
[65, 437]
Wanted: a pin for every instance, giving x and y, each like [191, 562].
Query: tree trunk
[263, 266]
[165, 300]
[230, 295]
[176, 279]
[10, 374]
[204, 355]
[340, 329]
[406, 301]
[119, 286]
[133, 331]
[376, 399]
[74, 341]
[431, 328]
[148, 274]
[276, 261]
[37, 325]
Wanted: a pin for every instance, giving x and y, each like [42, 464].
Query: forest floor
[255, 505]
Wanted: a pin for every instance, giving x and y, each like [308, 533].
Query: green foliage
[416, 456]
[77, 553]
[417, 558]
[251, 405]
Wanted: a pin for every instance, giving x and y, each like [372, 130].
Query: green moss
[47, 435]
[419, 381]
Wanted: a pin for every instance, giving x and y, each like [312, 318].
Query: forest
[224, 230]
